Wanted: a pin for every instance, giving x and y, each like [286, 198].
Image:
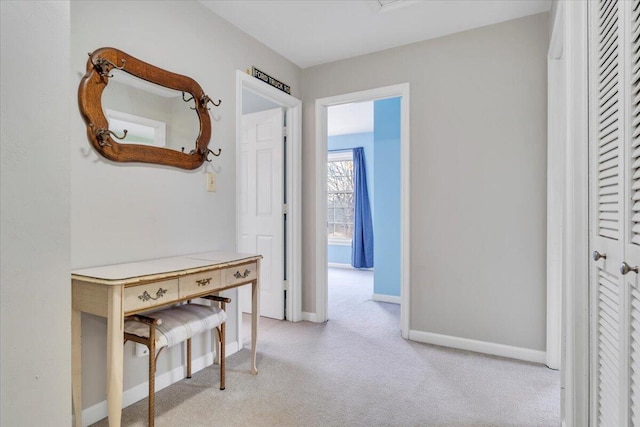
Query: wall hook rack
[106, 60]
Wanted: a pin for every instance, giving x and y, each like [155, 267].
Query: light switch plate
[212, 182]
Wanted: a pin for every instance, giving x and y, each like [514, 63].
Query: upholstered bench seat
[178, 323]
[163, 328]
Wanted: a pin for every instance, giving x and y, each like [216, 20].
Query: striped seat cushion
[178, 323]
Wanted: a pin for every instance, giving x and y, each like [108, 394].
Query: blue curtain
[362, 243]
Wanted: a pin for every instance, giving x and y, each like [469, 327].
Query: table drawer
[149, 295]
[240, 274]
[195, 284]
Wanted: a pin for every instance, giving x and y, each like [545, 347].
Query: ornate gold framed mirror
[137, 112]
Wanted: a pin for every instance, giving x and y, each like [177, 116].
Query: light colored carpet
[356, 370]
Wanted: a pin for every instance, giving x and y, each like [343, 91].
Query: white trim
[405, 216]
[311, 317]
[336, 156]
[339, 242]
[400, 90]
[556, 185]
[97, 412]
[484, 347]
[321, 213]
[575, 360]
[347, 266]
[556, 44]
[293, 114]
[340, 265]
[392, 299]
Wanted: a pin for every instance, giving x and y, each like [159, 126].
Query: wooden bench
[173, 325]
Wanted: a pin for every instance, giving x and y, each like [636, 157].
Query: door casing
[402, 91]
[293, 113]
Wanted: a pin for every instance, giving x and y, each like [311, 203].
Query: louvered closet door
[606, 213]
[632, 237]
[614, 75]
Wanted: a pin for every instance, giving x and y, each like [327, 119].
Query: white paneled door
[261, 213]
[614, 150]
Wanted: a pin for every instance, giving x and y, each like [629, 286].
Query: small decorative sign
[270, 80]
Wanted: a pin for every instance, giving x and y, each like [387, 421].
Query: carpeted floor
[356, 370]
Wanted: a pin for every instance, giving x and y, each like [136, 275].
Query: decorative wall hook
[204, 100]
[206, 153]
[187, 100]
[102, 136]
[215, 154]
[103, 66]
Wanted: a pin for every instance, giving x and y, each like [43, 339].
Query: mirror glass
[152, 115]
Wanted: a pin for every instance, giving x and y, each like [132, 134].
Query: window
[340, 198]
[140, 130]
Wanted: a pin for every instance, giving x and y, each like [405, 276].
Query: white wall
[126, 212]
[35, 299]
[478, 176]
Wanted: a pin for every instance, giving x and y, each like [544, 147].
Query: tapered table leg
[255, 316]
[76, 365]
[115, 348]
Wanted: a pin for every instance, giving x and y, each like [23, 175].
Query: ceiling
[345, 119]
[312, 32]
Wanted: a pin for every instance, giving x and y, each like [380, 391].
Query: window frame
[337, 156]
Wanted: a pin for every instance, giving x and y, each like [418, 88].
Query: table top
[160, 268]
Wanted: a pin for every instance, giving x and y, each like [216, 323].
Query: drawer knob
[203, 282]
[159, 294]
[239, 275]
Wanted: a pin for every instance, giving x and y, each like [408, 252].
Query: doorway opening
[363, 202]
[268, 214]
[398, 95]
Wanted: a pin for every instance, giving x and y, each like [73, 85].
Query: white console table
[116, 291]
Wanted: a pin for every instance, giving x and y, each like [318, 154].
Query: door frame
[575, 305]
[322, 104]
[293, 113]
[556, 186]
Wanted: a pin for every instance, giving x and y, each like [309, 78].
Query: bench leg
[222, 350]
[188, 357]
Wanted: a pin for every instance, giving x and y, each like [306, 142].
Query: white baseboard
[347, 266]
[386, 298]
[519, 353]
[99, 411]
[229, 349]
[310, 317]
[339, 265]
